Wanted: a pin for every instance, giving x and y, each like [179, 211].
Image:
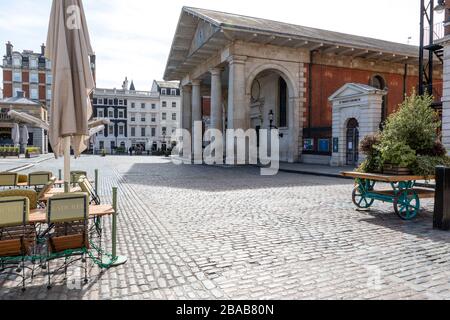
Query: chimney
[9, 49]
[43, 49]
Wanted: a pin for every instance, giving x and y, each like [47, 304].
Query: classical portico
[258, 73]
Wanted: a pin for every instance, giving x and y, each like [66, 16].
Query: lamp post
[271, 119]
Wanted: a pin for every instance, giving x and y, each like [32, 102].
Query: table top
[386, 177]
[40, 215]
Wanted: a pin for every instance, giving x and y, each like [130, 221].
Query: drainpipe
[405, 78]
[311, 57]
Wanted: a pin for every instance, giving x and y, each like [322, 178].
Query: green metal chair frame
[16, 231]
[68, 216]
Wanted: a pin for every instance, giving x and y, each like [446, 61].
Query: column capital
[196, 83]
[235, 59]
[186, 88]
[216, 71]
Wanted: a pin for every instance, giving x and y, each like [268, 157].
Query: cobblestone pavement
[196, 232]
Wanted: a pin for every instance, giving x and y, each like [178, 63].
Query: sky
[132, 38]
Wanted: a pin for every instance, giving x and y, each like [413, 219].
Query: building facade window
[121, 114]
[153, 117]
[49, 79]
[163, 92]
[16, 62]
[174, 116]
[174, 104]
[100, 101]
[142, 105]
[34, 94]
[111, 114]
[133, 132]
[153, 132]
[49, 94]
[143, 118]
[33, 63]
[164, 131]
[173, 92]
[133, 118]
[111, 130]
[164, 104]
[102, 145]
[143, 132]
[120, 102]
[17, 77]
[164, 116]
[121, 130]
[153, 106]
[133, 105]
[34, 77]
[48, 64]
[100, 113]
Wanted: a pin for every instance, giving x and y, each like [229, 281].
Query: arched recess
[271, 100]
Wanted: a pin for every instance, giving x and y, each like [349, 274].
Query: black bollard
[442, 199]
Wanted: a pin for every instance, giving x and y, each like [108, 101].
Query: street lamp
[271, 119]
[440, 6]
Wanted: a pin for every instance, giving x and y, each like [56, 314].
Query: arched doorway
[272, 103]
[352, 142]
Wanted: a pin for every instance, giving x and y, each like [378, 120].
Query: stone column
[197, 117]
[238, 117]
[196, 101]
[216, 99]
[186, 108]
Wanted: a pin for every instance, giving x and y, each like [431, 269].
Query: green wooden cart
[404, 193]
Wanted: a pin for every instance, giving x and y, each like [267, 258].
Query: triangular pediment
[351, 90]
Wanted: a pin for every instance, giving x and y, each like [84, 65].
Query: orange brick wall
[327, 79]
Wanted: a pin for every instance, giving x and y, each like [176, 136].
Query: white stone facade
[446, 97]
[354, 101]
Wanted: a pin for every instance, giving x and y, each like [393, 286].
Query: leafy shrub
[426, 165]
[415, 124]
[397, 153]
[438, 150]
[369, 143]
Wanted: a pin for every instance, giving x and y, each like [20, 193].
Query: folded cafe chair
[68, 216]
[17, 237]
[8, 180]
[75, 176]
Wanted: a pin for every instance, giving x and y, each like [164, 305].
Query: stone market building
[37, 137]
[326, 89]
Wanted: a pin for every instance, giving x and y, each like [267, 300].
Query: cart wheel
[407, 205]
[361, 201]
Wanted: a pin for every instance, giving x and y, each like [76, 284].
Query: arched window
[378, 82]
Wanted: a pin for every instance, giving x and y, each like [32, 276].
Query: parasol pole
[66, 164]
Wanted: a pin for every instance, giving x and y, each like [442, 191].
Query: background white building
[144, 120]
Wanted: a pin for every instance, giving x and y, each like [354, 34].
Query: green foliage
[409, 140]
[397, 153]
[33, 150]
[415, 124]
[103, 153]
[426, 165]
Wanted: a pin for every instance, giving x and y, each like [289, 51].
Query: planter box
[32, 155]
[396, 170]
